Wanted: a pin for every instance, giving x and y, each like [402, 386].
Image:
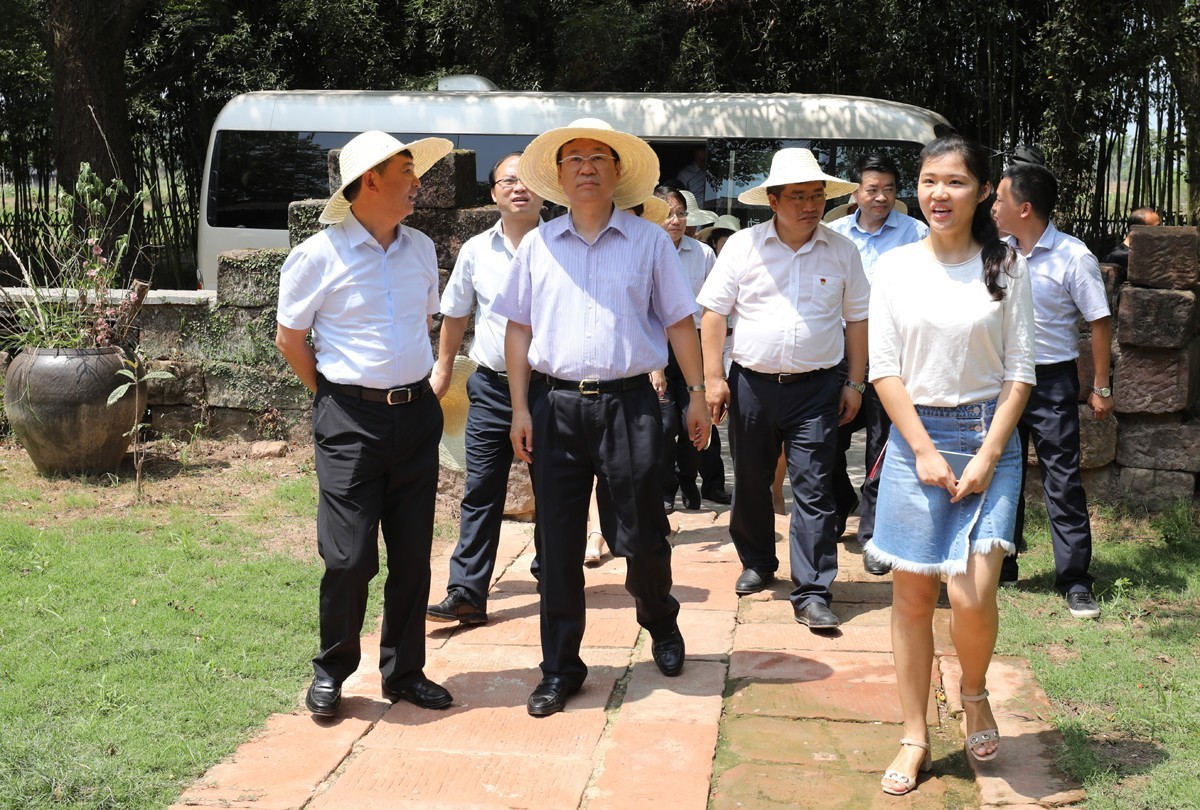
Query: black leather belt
[594, 387]
[502, 376]
[787, 379]
[401, 395]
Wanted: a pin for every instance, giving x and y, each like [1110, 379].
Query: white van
[270, 148]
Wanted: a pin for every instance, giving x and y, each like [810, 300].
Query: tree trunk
[87, 65]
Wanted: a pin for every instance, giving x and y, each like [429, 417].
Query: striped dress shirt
[597, 311]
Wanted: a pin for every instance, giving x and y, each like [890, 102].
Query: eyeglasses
[577, 161]
[677, 215]
[818, 197]
[507, 182]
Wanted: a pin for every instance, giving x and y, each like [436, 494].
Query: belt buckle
[782, 378]
[590, 387]
[406, 391]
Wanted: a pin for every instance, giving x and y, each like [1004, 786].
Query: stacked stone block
[1157, 376]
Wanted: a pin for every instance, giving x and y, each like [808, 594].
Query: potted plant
[72, 337]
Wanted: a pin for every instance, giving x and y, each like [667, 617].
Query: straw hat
[639, 165]
[842, 210]
[655, 210]
[451, 451]
[725, 222]
[795, 165]
[368, 150]
[696, 216]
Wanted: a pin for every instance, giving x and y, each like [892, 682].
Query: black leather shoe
[550, 696]
[752, 581]
[1009, 572]
[817, 616]
[456, 607]
[424, 693]
[875, 566]
[717, 496]
[668, 653]
[324, 696]
[690, 494]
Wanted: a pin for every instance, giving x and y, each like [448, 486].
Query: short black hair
[1034, 184]
[875, 162]
[354, 186]
[492, 173]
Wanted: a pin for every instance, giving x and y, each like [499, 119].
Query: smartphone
[958, 461]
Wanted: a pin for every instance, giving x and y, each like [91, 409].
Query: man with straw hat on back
[479, 271]
[365, 288]
[591, 300]
[788, 283]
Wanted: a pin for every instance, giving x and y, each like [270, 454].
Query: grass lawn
[1126, 687]
[142, 642]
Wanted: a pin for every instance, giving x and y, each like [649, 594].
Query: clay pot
[57, 403]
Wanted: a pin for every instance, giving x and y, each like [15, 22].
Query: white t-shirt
[936, 327]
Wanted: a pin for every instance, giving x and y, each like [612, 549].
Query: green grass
[1127, 687]
[139, 646]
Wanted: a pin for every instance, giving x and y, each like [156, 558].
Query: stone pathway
[765, 715]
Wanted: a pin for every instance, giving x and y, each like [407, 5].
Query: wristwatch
[1104, 392]
[860, 387]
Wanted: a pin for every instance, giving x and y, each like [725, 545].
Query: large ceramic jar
[57, 403]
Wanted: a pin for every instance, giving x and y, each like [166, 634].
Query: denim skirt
[917, 529]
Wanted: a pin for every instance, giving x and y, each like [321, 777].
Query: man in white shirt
[875, 228]
[479, 271]
[788, 283]
[1066, 286]
[366, 288]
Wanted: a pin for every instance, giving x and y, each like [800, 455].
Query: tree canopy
[1109, 88]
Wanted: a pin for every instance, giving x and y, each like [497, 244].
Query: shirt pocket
[827, 292]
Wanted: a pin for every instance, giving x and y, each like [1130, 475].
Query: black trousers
[874, 419]
[802, 417]
[377, 468]
[489, 456]
[615, 438]
[683, 461]
[1051, 422]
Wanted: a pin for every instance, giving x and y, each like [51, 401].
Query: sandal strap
[915, 743]
[896, 776]
[974, 698]
[985, 736]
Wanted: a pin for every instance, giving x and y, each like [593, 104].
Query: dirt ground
[272, 498]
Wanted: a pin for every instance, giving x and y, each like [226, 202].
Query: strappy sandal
[592, 556]
[981, 737]
[907, 783]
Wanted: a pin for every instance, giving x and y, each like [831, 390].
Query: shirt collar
[821, 235]
[618, 221]
[1045, 242]
[890, 221]
[358, 235]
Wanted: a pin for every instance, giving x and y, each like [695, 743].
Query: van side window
[257, 174]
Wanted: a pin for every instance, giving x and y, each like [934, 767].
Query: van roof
[664, 116]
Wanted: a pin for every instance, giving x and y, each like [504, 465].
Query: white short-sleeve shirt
[697, 260]
[1066, 286]
[787, 305]
[367, 307]
[479, 271]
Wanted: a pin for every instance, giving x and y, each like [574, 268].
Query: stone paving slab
[824, 786]
[693, 696]
[285, 762]
[377, 779]
[1024, 772]
[827, 685]
[661, 764]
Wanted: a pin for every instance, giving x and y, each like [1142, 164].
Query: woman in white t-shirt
[951, 356]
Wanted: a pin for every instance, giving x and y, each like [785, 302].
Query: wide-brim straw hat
[725, 222]
[455, 404]
[368, 150]
[655, 210]
[697, 217]
[796, 165]
[538, 168]
[842, 210]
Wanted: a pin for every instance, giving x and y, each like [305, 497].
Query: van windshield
[256, 174]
